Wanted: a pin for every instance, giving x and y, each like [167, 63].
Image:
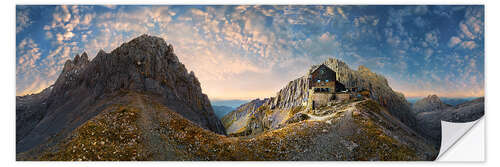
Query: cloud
[474, 19]
[23, 19]
[35, 72]
[66, 15]
[325, 37]
[28, 53]
[341, 12]
[470, 30]
[454, 41]
[87, 18]
[468, 45]
[466, 32]
[431, 38]
[48, 35]
[472, 25]
[428, 54]
[68, 35]
[260, 48]
[198, 12]
[330, 10]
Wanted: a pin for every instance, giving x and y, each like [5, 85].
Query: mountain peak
[428, 104]
[147, 42]
[434, 99]
[433, 96]
[145, 64]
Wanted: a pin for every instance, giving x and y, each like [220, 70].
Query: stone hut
[324, 87]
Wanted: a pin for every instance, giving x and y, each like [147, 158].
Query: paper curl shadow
[451, 132]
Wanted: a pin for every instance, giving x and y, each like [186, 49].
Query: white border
[7, 66]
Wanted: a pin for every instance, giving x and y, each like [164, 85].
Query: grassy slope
[146, 130]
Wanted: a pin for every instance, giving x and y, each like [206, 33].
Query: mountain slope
[144, 64]
[137, 127]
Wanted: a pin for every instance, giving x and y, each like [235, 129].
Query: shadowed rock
[430, 111]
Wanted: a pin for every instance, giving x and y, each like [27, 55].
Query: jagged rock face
[145, 64]
[295, 93]
[240, 119]
[430, 111]
[380, 90]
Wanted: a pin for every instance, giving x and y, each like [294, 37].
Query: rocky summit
[294, 96]
[145, 64]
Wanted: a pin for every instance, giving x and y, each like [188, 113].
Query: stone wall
[320, 99]
[342, 96]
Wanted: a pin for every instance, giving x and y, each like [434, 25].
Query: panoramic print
[244, 83]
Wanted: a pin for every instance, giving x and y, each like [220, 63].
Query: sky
[247, 52]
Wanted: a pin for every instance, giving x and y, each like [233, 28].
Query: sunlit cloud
[23, 19]
[258, 49]
[454, 41]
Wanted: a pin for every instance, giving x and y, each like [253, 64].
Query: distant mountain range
[220, 111]
[229, 103]
[223, 107]
[446, 100]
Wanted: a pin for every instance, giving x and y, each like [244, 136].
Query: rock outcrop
[238, 120]
[144, 64]
[430, 111]
[377, 85]
[295, 93]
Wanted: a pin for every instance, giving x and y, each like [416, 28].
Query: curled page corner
[451, 132]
